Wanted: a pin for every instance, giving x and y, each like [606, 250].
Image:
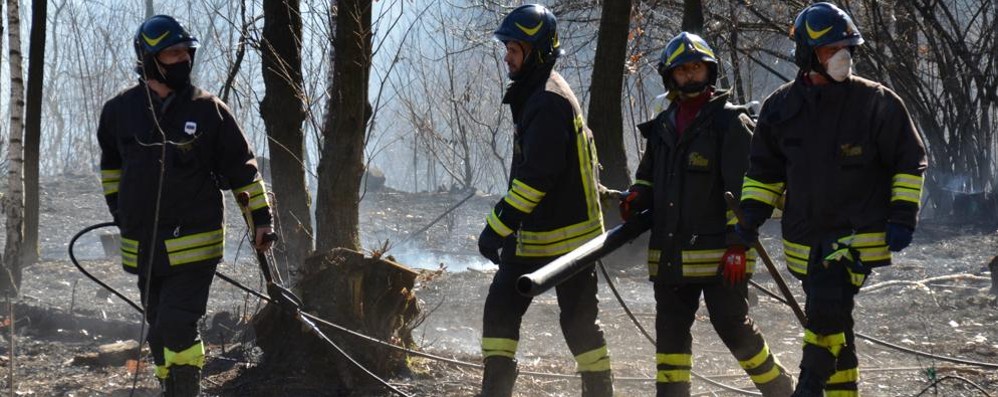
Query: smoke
[421, 258]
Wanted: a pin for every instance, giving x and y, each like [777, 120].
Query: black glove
[748, 229]
[489, 244]
[898, 236]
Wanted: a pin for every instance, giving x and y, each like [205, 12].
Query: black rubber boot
[597, 384]
[183, 381]
[810, 384]
[781, 386]
[498, 377]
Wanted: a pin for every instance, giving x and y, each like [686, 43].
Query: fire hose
[468, 364]
[278, 295]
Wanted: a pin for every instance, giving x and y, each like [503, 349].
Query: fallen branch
[923, 283]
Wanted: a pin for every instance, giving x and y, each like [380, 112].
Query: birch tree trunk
[13, 202]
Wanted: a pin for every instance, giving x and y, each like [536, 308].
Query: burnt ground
[61, 315]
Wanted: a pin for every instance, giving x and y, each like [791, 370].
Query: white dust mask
[839, 66]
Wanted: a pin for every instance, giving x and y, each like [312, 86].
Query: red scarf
[688, 109]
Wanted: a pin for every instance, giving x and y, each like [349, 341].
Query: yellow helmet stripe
[530, 31]
[154, 42]
[815, 34]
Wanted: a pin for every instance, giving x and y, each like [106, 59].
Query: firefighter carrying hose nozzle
[847, 155]
[696, 150]
[167, 149]
[551, 207]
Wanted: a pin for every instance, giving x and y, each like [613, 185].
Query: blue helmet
[534, 24]
[159, 32]
[818, 25]
[685, 48]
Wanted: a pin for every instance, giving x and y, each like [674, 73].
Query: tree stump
[369, 295]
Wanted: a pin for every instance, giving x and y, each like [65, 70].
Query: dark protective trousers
[176, 303]
[676, 307]
[504, 309]
[829, 340]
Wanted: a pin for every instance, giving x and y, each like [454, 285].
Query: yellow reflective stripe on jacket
[705, 263]
[523, 197]
[555, 248]
[193, 356]
[907, 187]
[195, 247]
[797, 255]
[701, 263]
[497, 225]
[872, 247]
[109, 181]
[653, 258]
[833, 342]
[595, 360]
[643, 182]
[526, 191]
[519, 203]
[162, 372]
[766, 193]
[502, 347]
[556, 235]
[841, 393]
[258, 195]
[129, 252]
[730, 216]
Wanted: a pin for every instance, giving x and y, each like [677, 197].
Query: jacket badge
[190, 127]
[850, 150]
[697, 160]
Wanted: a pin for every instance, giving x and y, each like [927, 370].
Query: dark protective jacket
[692, 226]
[552, 203]
[204, 149]
[848, 157]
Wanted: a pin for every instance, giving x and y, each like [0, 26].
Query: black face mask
[693, 88]
[176, 76]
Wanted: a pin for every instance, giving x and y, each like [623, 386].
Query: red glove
[635, 201]
[733, 265]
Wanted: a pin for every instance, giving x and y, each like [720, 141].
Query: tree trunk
[368, 295]
[607, 84]
[149, 9]
[341, 165]
[13, 203]
[33, 129]
[693, 16]
[283, 111]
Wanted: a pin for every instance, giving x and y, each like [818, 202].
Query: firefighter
[166, 149]
[551, 207]
[847, 155]
[697, 149]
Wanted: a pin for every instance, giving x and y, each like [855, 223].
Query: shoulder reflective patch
[530, 31]
[154, 42]
[815, 34]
